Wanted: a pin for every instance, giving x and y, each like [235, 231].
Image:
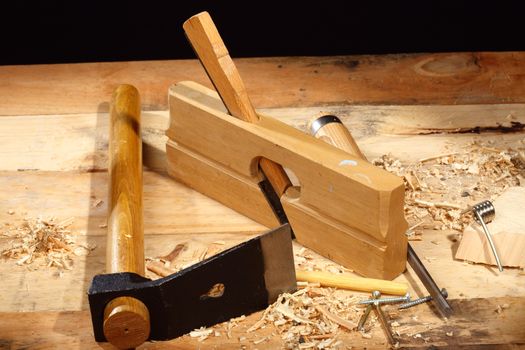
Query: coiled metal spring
[484, 212]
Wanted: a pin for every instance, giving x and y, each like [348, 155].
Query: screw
[444, 293]
[360, 326]
[405, 298]
[384, 323]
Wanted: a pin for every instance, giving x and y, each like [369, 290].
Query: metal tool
[421, 300]
[384, 323]
[421, 271]
[391, 300]
[484, 212]
[361, 325]
[332, 125]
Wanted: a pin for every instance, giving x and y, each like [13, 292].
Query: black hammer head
[238, 281]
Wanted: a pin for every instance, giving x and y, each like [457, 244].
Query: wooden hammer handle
[126, 319]
[209, 47]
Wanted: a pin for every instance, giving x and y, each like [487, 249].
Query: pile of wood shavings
[440, 189]
[43, 242]
[312, 317]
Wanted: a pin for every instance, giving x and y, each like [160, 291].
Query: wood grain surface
[437, 78]
[476, 322]
[54, 133]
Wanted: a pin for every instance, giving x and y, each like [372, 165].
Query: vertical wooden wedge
[126, 319]
[209, 47]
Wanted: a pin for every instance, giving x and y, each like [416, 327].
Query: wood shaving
[179, 248]
[97, 203]
[502, 307]
[44, 242]
[262, 340]
[202, 333]
[158, 268]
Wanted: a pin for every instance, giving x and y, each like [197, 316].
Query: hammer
[128, 308]
[126, 319]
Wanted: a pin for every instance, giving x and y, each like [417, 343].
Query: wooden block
[342, 244]
[183, 166]
[364, 202]
[507, 230]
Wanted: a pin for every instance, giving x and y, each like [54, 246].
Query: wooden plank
[476, 324]
[73, 330]
[24, 289]
[44, 142]
[175, 214]
[72, 142]
[491, 322]
[169, 207]
[444, 78]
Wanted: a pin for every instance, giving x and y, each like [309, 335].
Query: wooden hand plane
[344, 209]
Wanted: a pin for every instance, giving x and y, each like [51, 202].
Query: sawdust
[43, 242]
[440, 190]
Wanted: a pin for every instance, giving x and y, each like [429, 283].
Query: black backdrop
[87, 31]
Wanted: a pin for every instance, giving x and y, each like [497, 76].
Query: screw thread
[415, 302]
[422, 300]
[385, 300]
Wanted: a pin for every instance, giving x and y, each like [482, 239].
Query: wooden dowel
[347, 281]
[209, 47]
[126, 319]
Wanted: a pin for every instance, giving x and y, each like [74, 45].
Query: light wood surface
[212, 52]
[351, 282]
[233, 147]
[407, 132]
[126, 319]
[42, 174]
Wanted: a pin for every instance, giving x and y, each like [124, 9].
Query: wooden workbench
[53, 132]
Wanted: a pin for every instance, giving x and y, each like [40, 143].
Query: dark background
[89, 31]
